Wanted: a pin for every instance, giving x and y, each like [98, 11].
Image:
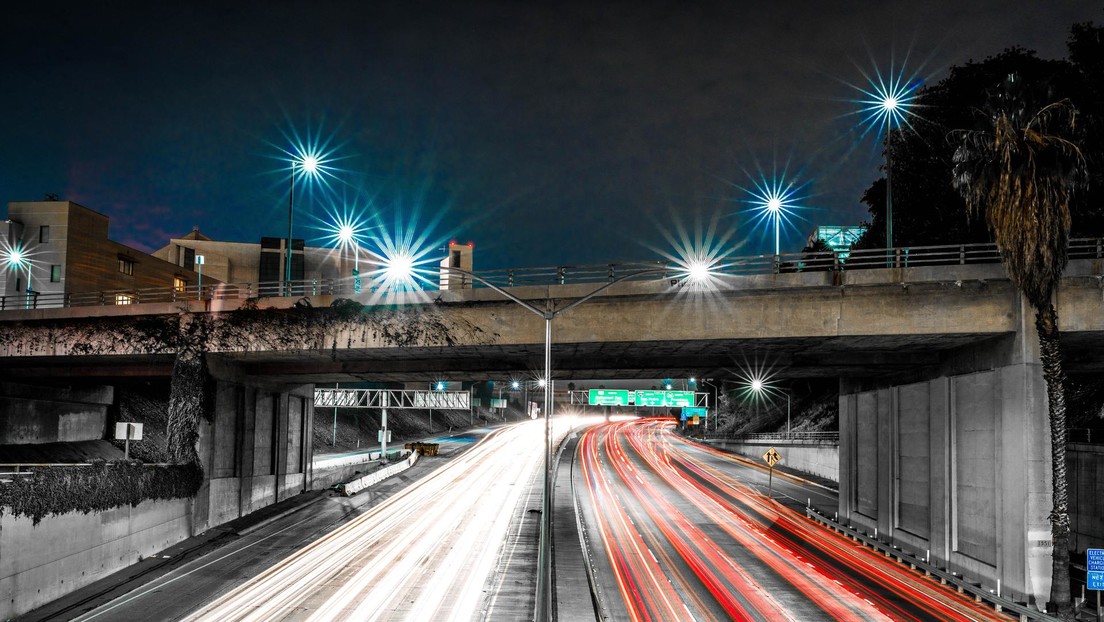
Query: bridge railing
[742, 265]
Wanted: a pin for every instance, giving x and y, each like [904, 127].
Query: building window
[185, 257]
[126, 266]
[55, 274]
[124, 299]
[179, 284]
[18, 283]
[44, 234]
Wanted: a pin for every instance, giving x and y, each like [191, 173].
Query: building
[262, 266]
[66, 253]
[839, 238]
[459, 256]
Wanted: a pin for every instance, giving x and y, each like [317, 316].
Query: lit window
[179, 284]
[44, 234]
[55, 274]
[124, 299]
[126, 266]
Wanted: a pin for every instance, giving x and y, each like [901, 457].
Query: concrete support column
[847, 468]
[246, 457]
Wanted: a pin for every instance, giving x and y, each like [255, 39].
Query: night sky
[559, 133]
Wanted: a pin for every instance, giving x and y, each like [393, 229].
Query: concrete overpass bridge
[943, 443]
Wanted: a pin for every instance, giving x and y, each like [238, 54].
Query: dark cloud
[565, 132]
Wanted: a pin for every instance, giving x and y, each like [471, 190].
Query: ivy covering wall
[96, 488]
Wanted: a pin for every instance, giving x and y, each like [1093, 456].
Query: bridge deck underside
[851, 356]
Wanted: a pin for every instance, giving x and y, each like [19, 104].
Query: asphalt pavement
[195, 573]
[684, 531]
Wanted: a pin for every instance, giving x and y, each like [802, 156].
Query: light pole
[774, 199]
[308, 164]
[774, 206]
[887, 104]
[544, 556]
[199, 261]
[347, 236]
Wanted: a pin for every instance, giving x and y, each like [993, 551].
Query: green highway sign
[651, 398]
[660, 399]
[684, 399]
[609, 397]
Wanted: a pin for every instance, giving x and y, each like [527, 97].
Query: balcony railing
[748, 265]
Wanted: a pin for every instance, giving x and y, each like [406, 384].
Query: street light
[17, 259]
[347, 236]
[199, 261]
[887, 105]
[774, 199]
[308, 165]
[760, 388]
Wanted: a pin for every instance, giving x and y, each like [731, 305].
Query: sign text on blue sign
[1094, 580]
[1095, 559]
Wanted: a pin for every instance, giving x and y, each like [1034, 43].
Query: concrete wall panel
[914, 459]
[866, 454]
[820, 460]
[975, 455]
[41, 563]
[265, 427]
[296, 413]
[262, 492]
[225, 495]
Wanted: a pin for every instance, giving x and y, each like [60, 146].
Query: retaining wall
[41, 563]
[821, 460]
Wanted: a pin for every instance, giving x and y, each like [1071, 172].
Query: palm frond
[1020, 174]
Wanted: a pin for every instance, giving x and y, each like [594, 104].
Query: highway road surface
[680, 531]
[433, 550]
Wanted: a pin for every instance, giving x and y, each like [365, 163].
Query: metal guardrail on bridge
[746, 265]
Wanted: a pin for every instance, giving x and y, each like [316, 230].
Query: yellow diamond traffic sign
[772, 457]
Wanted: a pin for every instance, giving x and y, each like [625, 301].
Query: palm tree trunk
[1046, 321]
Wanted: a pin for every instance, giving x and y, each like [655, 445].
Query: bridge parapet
[869, 266]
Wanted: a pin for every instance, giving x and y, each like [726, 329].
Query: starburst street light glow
[698, 257]
[14, 258]
[888, 101]
[345, 234]
[885, 104]
[699, 270]
[310, 163]
[776, 201]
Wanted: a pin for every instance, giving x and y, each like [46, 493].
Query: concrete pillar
[847, 452]
[246, 457]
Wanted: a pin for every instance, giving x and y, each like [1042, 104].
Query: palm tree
[1020, 173]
